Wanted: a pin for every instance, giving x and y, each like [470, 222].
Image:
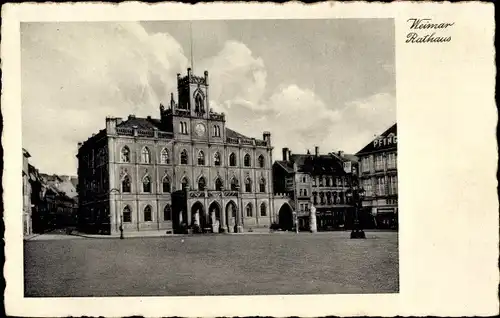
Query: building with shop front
[379, 178]
[183, 171]
[315, 179]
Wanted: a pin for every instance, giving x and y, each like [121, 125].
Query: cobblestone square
[260, 264]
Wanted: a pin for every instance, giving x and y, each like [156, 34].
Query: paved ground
[286, 263]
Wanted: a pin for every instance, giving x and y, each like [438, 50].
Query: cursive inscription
[427, 31]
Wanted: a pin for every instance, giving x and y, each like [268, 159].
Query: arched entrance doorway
[286, 217]
[231, 210]
[215, 208]
[198, 217]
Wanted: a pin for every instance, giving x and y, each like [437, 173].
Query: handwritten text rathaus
[419, 25]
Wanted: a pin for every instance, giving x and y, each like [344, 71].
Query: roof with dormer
[369, 148]
[312, 164]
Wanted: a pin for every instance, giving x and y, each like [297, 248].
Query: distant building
[379, 177]
[185, 169]
[319, 180]
[27, 220]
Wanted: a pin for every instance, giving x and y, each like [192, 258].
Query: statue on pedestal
[312, 220]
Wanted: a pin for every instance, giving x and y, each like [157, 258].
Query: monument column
[312, 220]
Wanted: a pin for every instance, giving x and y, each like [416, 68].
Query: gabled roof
[141, 123]
[315, 165]
[234, 134]
[26, 153]
[371, 147]
[285, 165]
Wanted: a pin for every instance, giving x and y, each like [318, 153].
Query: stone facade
[164, 174]
[379, 178]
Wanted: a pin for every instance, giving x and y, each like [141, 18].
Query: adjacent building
[316, 179]
[379, 177]
[184, 170]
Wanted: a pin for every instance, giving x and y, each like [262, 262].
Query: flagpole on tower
[191, 42]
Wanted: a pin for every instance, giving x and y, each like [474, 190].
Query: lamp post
[115, 190]
[356, 195]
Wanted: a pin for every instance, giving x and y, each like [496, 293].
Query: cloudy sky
[329, 83]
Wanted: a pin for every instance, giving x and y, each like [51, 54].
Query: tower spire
[191, 42]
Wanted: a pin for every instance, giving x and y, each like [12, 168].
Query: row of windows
[202, 184]
[329, 198]
[328, 181]
[388, 160]
[383, 186]
[167, 212]
[165, 157]
[148, 215]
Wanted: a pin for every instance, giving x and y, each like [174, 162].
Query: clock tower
[191, 117]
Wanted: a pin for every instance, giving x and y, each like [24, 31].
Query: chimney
[149, 117]
[289, 155]
[131, 116]
[341, 153]
[189, 72]
[285, 154]
[206, 77]
[316, 151]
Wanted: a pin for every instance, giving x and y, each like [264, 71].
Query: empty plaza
[258, 264]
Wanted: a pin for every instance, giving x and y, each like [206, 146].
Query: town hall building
[183, 171]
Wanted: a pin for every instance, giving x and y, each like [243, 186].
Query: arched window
[184, 183]
[263, 211]
[126, 184]
[261, 161]
[262, 185]
[249, 210]
[247, 162]
[146, 184]
[216, 131]
[167, 213]
[217, 159]
[164, 158]
[166, 184]
[248, 185]
[148, 217]
[201, 184]
[232, 160]
[201, 158]
[125, 154]
[127, 214]
[199, 104]
[146, 155]
[218, 184]
[234, 184]
[184, 157]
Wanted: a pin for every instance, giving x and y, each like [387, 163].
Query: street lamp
[356, 195]
[115, 190]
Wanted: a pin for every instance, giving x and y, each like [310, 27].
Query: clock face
[199, 129]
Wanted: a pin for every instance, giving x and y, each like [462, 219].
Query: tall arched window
[184, 183]
[199, 104]
[248, 185]
[127, 214]
[201, 158]
[201, 184]
[249, 210]
[148, 216]
[184, 157]
[125, 154]
[126, 184]
[247, 161]
[232, 160]
[216, 131]
[167, 213]
[166, 184]
[218, 184]
[146, 184]
[263, 211]
[146, 155]
[262, 185]
[261, 161]
[217, 159]
[164, 157]
[234, 184]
